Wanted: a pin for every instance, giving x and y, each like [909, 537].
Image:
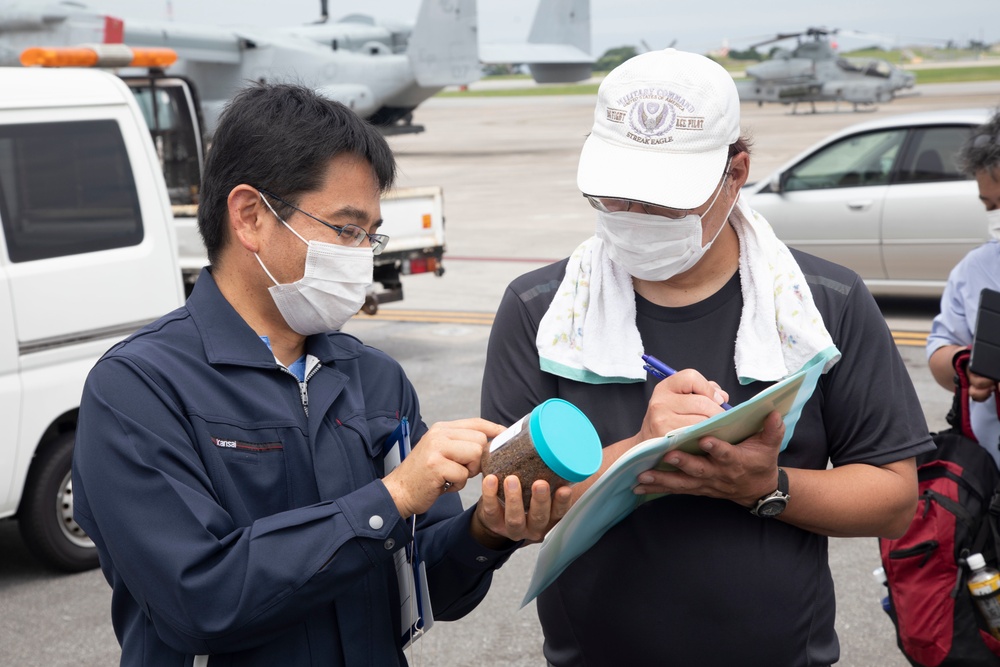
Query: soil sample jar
[555, 442]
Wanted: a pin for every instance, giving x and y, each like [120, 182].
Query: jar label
[507, 435]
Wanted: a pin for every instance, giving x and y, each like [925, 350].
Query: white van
[87, 255]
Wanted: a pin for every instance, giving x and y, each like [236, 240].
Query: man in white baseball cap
[730, 566]
[661, 142]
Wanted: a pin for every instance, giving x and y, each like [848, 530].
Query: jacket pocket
[249, 468]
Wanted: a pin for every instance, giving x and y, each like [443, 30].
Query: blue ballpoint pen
[654, 372]
[657, 368]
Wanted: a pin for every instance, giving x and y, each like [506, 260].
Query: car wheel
[45, 517]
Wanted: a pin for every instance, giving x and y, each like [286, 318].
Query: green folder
[610, 499]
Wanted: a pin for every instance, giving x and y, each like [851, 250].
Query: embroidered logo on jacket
[246, 446]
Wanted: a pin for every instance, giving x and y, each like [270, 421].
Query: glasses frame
[627, 206]
[377, 241]
[675, 213]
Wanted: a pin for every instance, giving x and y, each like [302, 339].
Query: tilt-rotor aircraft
[381, 70]
[813, 72]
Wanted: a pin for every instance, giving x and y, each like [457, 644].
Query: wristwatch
[775, 502]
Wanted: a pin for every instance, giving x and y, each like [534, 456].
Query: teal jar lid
[565, 439]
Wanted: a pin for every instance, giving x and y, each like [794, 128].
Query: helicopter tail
[443, 47]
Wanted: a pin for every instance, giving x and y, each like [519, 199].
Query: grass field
[956, 74]
[563, 89]
[930, 75]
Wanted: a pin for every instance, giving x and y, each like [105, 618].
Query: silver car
[884, 198]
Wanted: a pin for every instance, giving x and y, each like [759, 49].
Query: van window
[168, 112]
[66, 189]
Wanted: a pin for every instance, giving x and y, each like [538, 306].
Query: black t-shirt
[688, 580]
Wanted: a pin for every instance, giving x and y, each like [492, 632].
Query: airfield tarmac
[508, 168]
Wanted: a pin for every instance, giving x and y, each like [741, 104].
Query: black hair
[741, 145]
[281, 137]
[981, 151]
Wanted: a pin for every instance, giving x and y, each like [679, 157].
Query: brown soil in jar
[518, 457]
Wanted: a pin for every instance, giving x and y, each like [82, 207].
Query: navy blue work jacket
[231, 524]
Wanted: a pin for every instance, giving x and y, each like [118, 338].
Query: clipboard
[415, 614]
[985, 359]
[610, 499]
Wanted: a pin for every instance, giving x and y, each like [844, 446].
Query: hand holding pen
[660, 370]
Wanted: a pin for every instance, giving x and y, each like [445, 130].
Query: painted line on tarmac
[529, 260]
[432, 316]
[903, 338]
[910, 338]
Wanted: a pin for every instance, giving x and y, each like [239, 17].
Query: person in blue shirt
[230, 457]
[954, 327]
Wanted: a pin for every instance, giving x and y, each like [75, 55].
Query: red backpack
[935, 617]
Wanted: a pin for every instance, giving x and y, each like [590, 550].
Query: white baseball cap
[663, 125]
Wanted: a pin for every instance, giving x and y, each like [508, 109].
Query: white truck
[88, 254]
[94, 168]
[413, 217]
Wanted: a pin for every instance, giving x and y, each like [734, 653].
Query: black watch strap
[775, 502]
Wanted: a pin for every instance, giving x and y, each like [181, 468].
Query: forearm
[941, 367]
[855, 500]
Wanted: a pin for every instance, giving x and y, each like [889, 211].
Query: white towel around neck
[589, 332]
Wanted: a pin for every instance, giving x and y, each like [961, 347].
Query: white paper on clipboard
[415, 613]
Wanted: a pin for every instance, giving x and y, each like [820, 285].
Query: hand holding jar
[555, 442]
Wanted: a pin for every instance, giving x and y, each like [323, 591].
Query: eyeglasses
[615, 205]
[350, 235]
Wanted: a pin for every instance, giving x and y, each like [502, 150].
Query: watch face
[771, 507]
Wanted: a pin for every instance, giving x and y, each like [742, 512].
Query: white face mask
[331, 290]
[993, 223]
[653, 247]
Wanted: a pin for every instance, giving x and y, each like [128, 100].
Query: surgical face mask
[993, 223]
[652, 247]
[331, 290]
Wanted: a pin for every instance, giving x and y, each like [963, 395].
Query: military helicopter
[813, 72]
[381, 70]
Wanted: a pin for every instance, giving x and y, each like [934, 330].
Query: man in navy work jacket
[230, 464]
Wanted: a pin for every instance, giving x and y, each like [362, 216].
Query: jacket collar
[228, 339]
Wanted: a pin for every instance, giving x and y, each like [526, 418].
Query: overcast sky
[697, 26]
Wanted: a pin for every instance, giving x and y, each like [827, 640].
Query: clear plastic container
[555, 442]
[984, 584]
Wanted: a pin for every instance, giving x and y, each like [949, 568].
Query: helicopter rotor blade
[777, 38]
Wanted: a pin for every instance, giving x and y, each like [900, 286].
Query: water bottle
[984, 584]
[879, 574]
